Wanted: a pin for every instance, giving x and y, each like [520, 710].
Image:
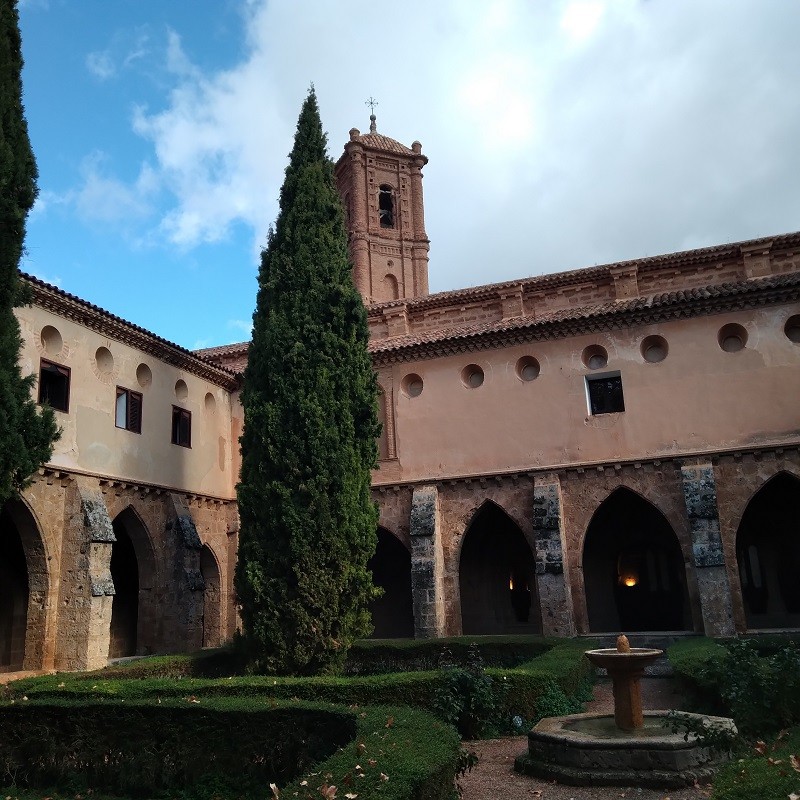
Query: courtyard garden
[390, 725]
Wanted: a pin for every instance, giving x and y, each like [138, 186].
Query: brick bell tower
[380, 181]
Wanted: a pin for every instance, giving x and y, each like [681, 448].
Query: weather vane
[372, 102]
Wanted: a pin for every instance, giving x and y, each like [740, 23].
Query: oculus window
[181, 427]
[128, 410]
[605, 394]
[54, 385]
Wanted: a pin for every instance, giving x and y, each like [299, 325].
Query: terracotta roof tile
[377, 141]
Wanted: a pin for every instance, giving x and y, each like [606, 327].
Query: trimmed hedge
[695, 664]
[218, 748]
[140, 748]
[376, 656]
[519, 688]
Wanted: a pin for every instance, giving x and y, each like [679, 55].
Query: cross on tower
[372, 102]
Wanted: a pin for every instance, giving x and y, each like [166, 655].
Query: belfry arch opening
[386, 210]
[133, 609]
[393, 612]
[497, 576]
[633, 568]
[212, 598]
[23, 589]
[768, 555]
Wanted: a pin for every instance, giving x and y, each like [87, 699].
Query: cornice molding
[642, 311]
[107, 324]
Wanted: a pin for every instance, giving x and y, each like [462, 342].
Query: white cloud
[102, 198]
[559, 134]
[245, 326]
[124, 50]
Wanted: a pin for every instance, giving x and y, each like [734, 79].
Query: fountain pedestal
[625, 668]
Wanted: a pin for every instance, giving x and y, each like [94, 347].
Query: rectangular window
[128, 410]
[54, 385]
[605, 394]
[181, 427]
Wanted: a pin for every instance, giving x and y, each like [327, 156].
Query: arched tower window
[386, 206]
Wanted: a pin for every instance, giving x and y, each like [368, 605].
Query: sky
[560, 133]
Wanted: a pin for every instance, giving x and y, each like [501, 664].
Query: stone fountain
[631, 748]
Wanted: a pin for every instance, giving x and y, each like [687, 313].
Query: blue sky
[561, 134]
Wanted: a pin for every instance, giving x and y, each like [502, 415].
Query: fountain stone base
[589, 749]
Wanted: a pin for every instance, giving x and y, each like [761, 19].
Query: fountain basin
[589, 749]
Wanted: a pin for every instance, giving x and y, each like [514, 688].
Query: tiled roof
[610, 314]
[69, 305]
[585, 275]
[222, 350]
[377, 141]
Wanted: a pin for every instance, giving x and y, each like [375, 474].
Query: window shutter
[135, 412]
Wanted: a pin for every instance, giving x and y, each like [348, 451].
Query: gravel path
[494, 778]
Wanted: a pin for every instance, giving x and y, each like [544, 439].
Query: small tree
[308, 524]
[26, 436]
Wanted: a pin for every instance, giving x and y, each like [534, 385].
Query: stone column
[555, 595]
[427, 564]
[87, 591]
[700, 497]
[187, 584]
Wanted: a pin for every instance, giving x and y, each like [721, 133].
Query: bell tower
[380, 181]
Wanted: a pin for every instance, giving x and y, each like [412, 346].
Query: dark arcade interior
[768, 555]
[393, 612]
[497, 577]
[125, 608]
[13, 595]
[633, 569]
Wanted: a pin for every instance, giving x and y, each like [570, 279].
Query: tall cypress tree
[308, 524]
[26, 436]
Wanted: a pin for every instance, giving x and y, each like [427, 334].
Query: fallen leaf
[372, 762]
[328, 792]
[384, 776]
[795, 762]
[389, 722]
[760, 747]
[361, 747]
[275, 793]
[351, 796]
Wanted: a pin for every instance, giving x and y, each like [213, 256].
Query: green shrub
[465, 696]
[759, 688]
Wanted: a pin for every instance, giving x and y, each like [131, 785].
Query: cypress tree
[307, 521]
[26, 436]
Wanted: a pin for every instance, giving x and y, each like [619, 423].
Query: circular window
[104, 360]
[51, 340]
[412, 385]
[181, 390]
[144, 375]
[527, 368]
[210, 403]
[595, 357]
[654, 349]
[792, 329]
[472, 376]
[732, 338]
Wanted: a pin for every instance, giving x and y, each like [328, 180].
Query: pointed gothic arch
[633, 568]
[24, 588]
[768, 554]
[497, 576]
[392, 613]
[134, 610]
[212, 598]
